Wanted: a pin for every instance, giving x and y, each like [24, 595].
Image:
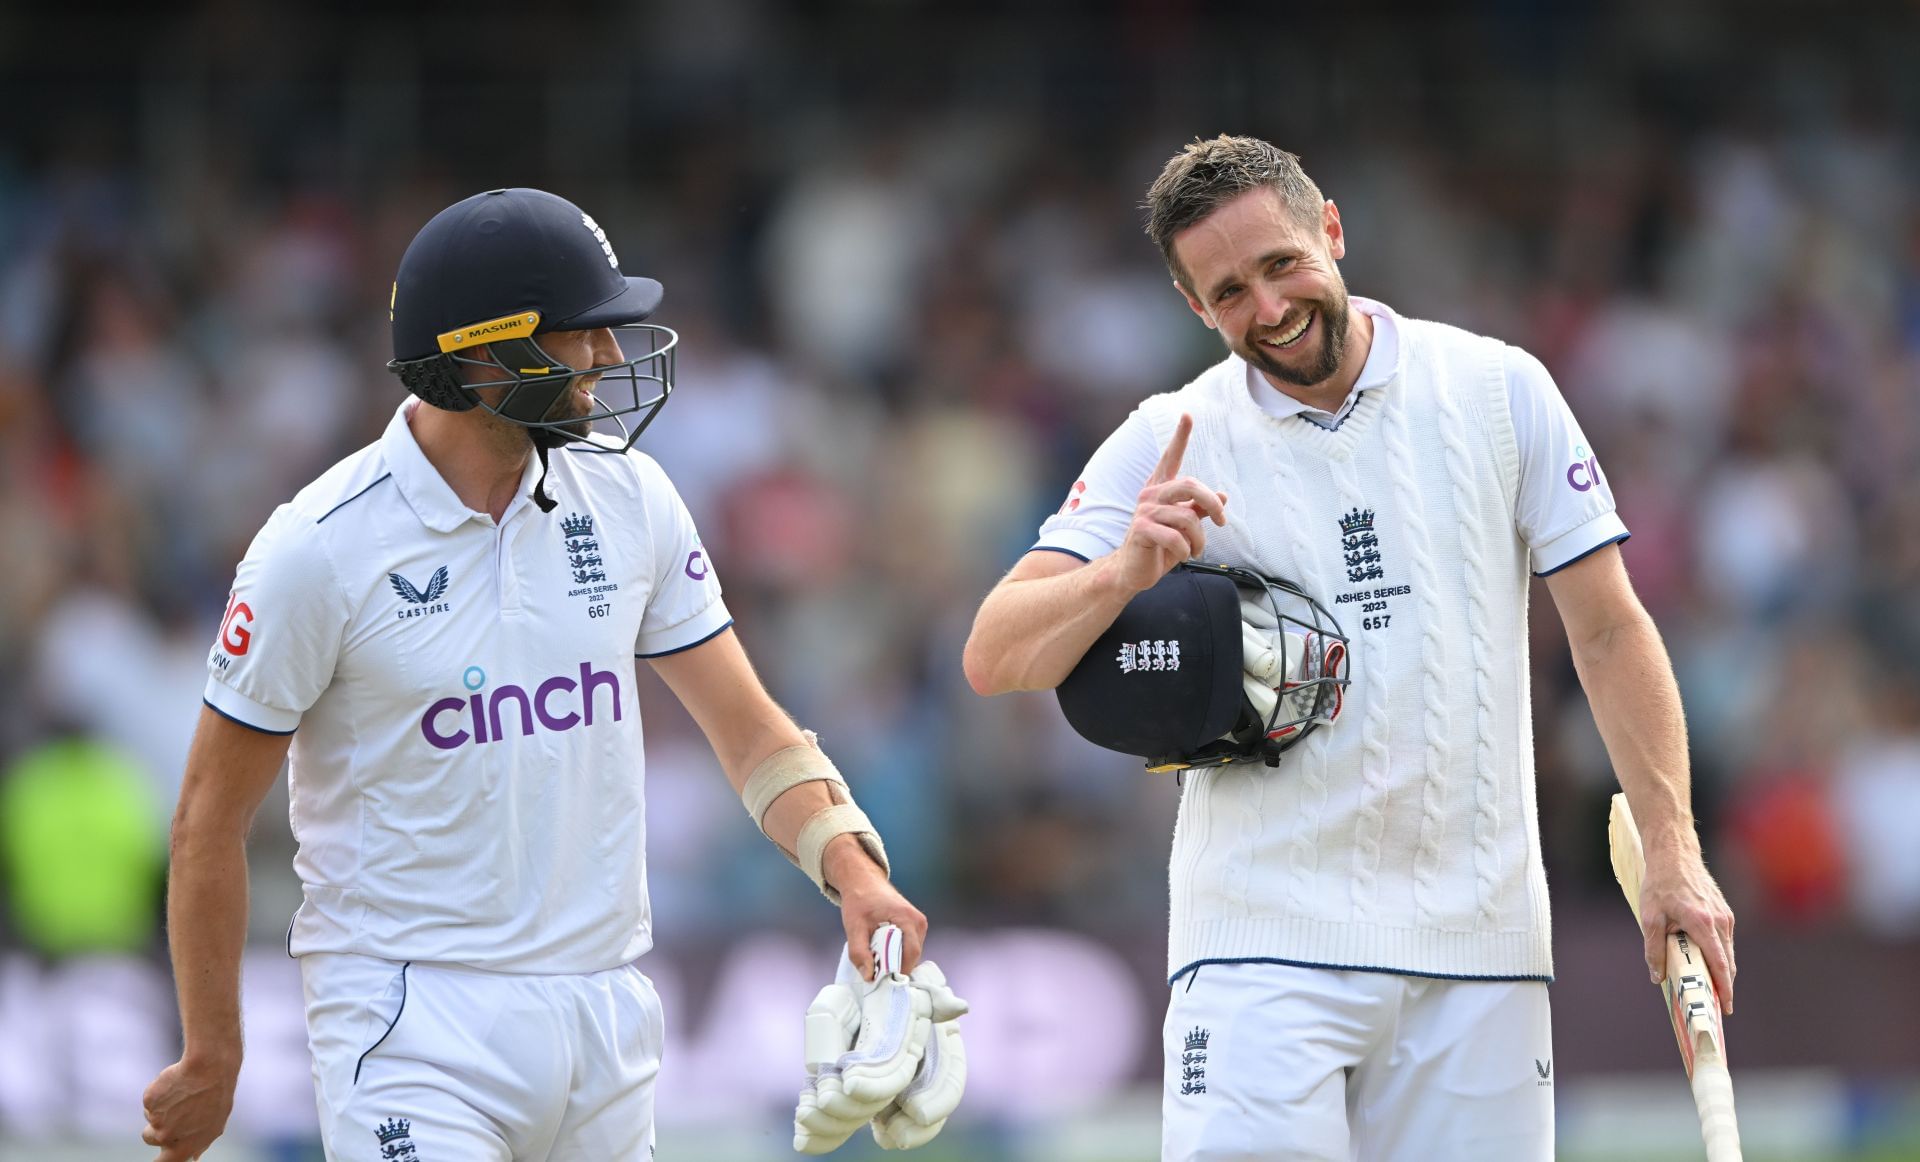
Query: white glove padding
[913, 1118]
[830, 1019]
[1279, 660]
[864, 1044]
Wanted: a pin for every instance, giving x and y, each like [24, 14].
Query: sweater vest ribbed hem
[1345, 944]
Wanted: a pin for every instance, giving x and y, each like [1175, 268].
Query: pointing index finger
[1176, 450]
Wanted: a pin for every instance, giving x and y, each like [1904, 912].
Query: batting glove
[1279, 663]
[922, 1109]
[864, 1045]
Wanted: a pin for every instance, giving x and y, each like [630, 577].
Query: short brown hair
[1208, 174]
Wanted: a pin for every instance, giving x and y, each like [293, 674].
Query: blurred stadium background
[901, 242]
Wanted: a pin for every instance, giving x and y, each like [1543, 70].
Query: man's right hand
[187, 1108]
[1168, 525]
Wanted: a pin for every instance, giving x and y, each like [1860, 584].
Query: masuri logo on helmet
[516, 326]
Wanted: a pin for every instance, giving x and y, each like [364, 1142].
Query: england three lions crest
[1193, 1062]
[1158, 654]
[396, 1141]
[586, 564]
[1360, 546]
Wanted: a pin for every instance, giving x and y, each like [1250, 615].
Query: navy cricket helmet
[486, 277]
[1213, 664]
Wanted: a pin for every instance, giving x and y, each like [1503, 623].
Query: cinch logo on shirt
[559, 703]
[1585, 471]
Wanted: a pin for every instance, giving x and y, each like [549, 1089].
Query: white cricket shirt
[467, 769]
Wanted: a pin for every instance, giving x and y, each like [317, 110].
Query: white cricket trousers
[1276, 1062]
[436, 1063]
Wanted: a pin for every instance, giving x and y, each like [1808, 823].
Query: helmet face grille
[534, 386]
[1307, 687]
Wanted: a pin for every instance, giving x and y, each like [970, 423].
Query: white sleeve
[280, 637]
[1093, 519]
[684, 608]
[1565, 507]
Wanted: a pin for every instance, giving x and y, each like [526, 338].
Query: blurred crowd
[905, 325]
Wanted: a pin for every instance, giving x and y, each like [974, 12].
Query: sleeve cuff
[687, 634]
[230, 704]
[1563, 550]
[1074, 543]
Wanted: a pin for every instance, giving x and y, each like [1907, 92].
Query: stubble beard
[1333, 346]
[576, 409]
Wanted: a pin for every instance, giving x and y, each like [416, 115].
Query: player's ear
[475, 374]
[1330, 224]
[470, 374]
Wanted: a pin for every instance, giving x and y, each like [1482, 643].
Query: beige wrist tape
[786, 769]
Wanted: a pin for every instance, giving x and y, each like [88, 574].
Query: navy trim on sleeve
[349, 500]
[1585, 555]
[1068, 552]
[690, 645]
[244, 722]
[1175, 978]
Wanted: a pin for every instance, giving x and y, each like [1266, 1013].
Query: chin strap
[540, 496]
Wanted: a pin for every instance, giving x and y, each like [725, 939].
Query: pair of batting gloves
[1292, 674]
[886, 1053]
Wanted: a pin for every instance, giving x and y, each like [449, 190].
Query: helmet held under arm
[1214, 664]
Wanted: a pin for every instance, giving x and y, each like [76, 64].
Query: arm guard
[786, 769]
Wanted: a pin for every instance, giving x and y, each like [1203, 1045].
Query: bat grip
[1713, 1098]
[889, 947]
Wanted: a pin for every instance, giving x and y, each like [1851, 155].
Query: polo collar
[428, 493]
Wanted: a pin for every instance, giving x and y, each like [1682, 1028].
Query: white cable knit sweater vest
[1404, 837]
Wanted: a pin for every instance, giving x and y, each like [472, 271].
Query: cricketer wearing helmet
[439, 633]
[1359, 939]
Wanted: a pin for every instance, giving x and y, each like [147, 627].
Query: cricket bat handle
[1696, 1019]
[1713, 1098]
